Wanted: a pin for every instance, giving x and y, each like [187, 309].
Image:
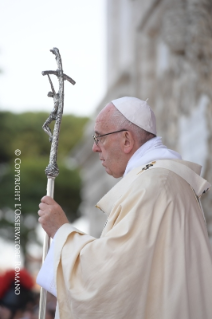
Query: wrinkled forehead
[104, 120]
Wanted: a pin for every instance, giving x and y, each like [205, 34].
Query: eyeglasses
[96, 138]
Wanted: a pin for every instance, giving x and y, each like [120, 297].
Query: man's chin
[109, 172]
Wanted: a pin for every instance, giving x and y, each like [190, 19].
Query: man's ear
[128, 142]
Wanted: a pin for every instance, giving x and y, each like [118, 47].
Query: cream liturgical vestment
[153, 260]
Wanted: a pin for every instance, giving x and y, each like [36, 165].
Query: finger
[40, 213]
[43, 206]
[40, 220]
[47, 200]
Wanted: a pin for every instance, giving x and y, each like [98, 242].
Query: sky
[28, 30]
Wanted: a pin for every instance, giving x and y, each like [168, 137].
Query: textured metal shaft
[52, 169]
[46, 245]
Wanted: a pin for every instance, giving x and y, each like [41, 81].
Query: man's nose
[96, 148]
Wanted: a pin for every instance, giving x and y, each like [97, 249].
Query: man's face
[109, 147]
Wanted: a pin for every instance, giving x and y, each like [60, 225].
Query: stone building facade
[160, 50]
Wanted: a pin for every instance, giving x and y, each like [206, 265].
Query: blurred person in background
[16, 301]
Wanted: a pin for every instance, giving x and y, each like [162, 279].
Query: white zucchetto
[138, 112]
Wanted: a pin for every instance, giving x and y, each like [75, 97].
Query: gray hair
[120, 121]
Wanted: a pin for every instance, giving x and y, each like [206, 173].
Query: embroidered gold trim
[147, 167]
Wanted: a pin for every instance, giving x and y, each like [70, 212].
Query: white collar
[150, 151]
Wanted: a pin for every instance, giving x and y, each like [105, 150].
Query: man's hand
[52, 217]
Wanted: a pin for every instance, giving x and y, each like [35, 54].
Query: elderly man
[153, 259]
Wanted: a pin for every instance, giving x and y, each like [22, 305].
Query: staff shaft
[46, 245]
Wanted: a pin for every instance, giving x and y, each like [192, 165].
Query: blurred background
[156, 49]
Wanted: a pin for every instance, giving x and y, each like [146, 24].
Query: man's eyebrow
[96, 132]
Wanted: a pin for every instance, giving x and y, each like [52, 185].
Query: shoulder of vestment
[153, 178]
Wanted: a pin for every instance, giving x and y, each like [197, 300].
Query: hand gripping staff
[52, 170]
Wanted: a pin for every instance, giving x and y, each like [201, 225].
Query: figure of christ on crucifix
[53, 114]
